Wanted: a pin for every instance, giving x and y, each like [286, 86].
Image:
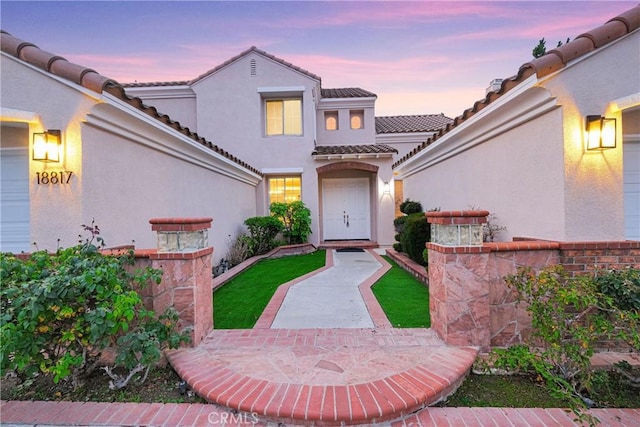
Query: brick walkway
[328, 376]
[198, 415]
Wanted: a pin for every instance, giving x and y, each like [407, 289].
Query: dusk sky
[422, 57]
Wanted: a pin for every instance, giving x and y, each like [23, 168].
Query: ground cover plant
[403, 298]
[240, 302]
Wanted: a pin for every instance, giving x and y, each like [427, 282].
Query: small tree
[541, 48]
[295, 217]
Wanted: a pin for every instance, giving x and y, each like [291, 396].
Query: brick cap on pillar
[180, 224]
[457, 217]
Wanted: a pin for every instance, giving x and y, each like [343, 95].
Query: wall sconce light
[601, 133]
[46, 146]
[386, 189]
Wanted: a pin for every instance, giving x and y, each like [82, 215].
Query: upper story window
[283, 116]
[331, 120]
[357, 119]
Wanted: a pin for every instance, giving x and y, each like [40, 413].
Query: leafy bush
[569, 316]
[262, 233]
[409, 207]
[296, 218]
[415, 235]
[623, 286]
[61, 311]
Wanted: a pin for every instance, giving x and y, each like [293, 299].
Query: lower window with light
[285, 189]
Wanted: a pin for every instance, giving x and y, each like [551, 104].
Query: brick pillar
[186, 261]
[458, 278]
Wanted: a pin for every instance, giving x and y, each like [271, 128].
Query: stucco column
[458, 278]
[185, 259]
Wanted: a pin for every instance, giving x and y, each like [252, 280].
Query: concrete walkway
[337, 372]
[331, 298]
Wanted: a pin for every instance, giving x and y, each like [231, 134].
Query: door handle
[344, 217]
[347, 220]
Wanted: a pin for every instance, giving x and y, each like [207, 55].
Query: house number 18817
[59, 177]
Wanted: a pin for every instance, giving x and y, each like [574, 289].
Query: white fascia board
[341, 103]
[165, 139]
[627, 102]
[161, 92]
[520, 105]
[351, 156]
[280, 90]
[19, 116]
[403, 138]
[282, 171]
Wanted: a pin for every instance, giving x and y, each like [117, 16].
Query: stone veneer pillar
[185, 259]
[458, 291]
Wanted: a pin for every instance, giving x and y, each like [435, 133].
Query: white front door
[346, 209]
[631, 168]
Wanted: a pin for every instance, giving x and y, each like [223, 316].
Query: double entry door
[346, 210]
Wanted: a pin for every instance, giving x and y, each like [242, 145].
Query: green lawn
[403, 298]
[241, 301]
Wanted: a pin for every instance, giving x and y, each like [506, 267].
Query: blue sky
[419, 57]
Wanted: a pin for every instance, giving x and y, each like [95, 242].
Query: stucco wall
[344, 135]
[125, 184]
[517, 176]
[538, 177]
[55, 210]
[117, 180]
[593, 180]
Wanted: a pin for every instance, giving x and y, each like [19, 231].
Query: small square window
[357, 119]
[331, 120]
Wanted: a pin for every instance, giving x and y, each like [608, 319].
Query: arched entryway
[347, 200]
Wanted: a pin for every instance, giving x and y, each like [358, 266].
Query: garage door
[14, 200]
[631, 153]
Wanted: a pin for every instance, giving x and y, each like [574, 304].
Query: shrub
[238, 250]
[409, 207]
[61, 311]
[296, 218]
[415, 235]
[621, 285]
[262, 233]
[569, 316]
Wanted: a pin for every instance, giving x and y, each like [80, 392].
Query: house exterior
[120, 163]
[523, 152]
[133, 152]
[322, 146]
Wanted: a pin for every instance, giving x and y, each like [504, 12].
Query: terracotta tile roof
[408, 124]
[154, 84]
[552, 61]
[323, 150]
[92, 80]
[259, 52]
[347, 92]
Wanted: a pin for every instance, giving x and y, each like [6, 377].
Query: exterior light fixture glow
[386, 189]
[46, 146]
[601, 133]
